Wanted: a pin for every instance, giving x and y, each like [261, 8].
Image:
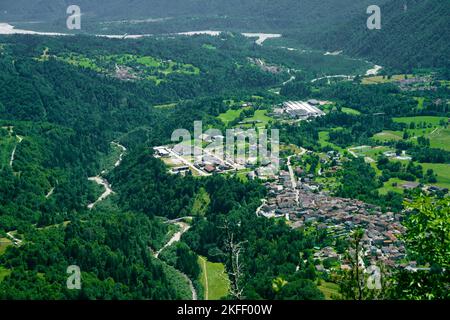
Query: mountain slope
[416, 37]
[413, 36]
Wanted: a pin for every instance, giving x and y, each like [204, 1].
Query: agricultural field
[388, 135]
[214, 279]
[329, 289]
[329, 107]
[385, 79]
[429, 120]
[442, 171]
[440, 139]
[393, 184]
[230, 115]
[261, 118]
[434, 128]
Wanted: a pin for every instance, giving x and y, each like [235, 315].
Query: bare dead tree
[234, 250]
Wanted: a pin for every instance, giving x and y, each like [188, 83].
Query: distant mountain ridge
[414, 34]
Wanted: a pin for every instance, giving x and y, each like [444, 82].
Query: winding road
[13, 154]
[17, 242]
[176, 238]
[103, 182]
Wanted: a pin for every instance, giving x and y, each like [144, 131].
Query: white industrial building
[302, 109]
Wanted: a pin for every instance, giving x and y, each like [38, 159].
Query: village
[302, 197]
[301, 204]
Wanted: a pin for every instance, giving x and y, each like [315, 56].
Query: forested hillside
[283, 13]
[144, 186]
[413, 35]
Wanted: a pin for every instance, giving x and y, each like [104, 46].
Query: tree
[236, 272]
[427, 239]
[361, 283]
[428, 230]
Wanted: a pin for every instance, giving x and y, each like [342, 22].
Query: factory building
[302, 109]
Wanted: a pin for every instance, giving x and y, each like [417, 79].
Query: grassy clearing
[442, 171]
[420, 101]
[394, 185]
[4, 273]
[350, 111]
[428, 127]
[260, 117]
[384, 79]
[372, 152]
[420, 119]
[166, 106]
[330, 290]
[230, 115]
[209, 46]
[201, 203]
[440, 139]
[388, 135]
[82, 62]
[324, 137]
[214, 279]
[4, 243]
[439, 136]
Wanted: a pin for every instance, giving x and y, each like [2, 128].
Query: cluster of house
[416, 84]
[394, 155]
[182, 159]
[339, 216]
[266, 67]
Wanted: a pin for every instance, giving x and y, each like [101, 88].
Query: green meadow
[442, 171]
[4, 273]
[392, 185]
[329, 289]
[261, 117]
[4, 243]
[230, 115]
[213, 279]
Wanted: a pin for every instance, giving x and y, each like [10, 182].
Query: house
[161, 152]
[313, 102]
[437, 189]
[410, 185]
[209, 168]
[180, 169]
